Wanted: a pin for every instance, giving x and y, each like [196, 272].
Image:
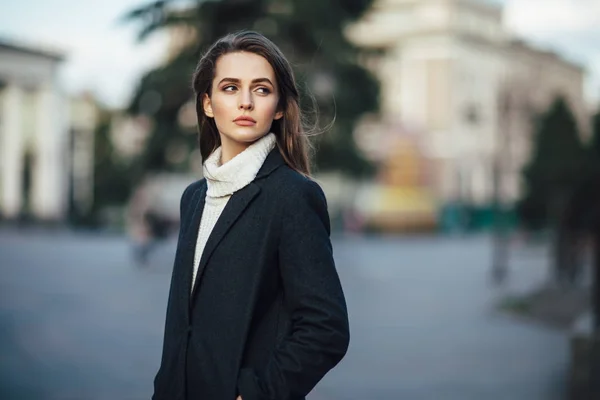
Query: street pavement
[79, 320]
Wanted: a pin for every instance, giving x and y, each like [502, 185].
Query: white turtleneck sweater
[223, 181]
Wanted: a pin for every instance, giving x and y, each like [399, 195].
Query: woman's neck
[226, 179]
[230, 149]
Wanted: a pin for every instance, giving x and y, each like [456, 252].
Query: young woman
[256, 310]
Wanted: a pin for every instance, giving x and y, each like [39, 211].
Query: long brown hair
[291, 138]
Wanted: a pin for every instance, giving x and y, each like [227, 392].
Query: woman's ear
[207, 106]
[278, 115]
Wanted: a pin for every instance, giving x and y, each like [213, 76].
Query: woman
[256, 310]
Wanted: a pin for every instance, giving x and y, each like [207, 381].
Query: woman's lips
[245, 122]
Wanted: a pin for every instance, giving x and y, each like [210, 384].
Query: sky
[103, 55]
[569, 27]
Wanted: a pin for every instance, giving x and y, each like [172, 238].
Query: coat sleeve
[184, 203]
[313, 295]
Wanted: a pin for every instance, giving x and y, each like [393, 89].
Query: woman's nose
[246, 102]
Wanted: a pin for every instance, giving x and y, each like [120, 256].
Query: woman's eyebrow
[261, 80]
[236, 80]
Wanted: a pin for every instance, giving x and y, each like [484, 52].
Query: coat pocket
[248, 385]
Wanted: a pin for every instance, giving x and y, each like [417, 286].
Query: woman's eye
[229, 88]
[264, 90]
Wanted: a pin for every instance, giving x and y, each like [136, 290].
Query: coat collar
[226, 179]
[235, 207]
[273, 161]
[189, 239]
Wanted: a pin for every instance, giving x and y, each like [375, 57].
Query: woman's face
[243, 101]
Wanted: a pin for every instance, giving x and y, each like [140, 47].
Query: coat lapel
[189, 239]
[234, 208]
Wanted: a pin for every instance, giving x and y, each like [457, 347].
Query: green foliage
[531, 211]
[113, 178]
[582, 209]
[557, 165]
[309, 32]
[558, 149]
[595, 142]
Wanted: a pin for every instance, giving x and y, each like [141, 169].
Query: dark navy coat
[267, 318]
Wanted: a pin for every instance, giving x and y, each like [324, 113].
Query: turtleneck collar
[224, 180]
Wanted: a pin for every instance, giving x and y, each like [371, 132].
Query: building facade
[452, 71]
[45, 150]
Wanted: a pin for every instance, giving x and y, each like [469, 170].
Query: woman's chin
[247, 135]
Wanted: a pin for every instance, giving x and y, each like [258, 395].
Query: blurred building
[82, 122]
[452, 71]
[46, 151]
[129, 134]
[401, 198]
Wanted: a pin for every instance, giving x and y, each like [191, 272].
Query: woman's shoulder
[191, 189]
[293, 186]
[299, 198]
[196, 185]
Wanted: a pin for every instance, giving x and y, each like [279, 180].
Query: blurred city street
[79, 320]
[433, 127]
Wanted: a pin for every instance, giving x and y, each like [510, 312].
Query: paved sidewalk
[79, 321]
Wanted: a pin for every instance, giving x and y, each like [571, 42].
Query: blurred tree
[113, 177]
[595, 142]
[582, 221]
[556, 167]
[309, 32]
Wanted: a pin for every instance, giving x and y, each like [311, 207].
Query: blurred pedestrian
[137, 227]
[145, 222]
[256, 309]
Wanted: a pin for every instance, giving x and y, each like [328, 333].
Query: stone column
[49, 180]
[11, 151]
[413, 91]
